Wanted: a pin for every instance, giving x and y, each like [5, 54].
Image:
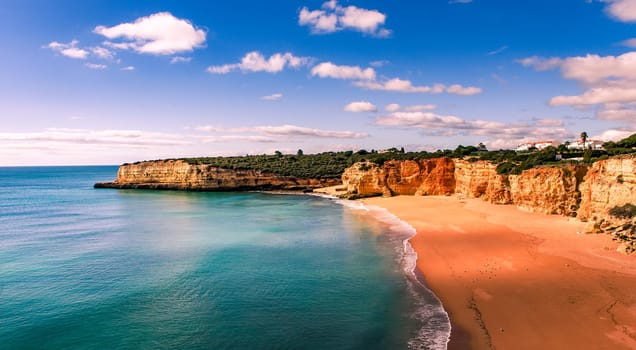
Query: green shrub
[505, 168]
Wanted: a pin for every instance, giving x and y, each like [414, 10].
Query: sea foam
[435, 329]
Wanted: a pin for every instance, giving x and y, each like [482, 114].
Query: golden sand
[516, 280]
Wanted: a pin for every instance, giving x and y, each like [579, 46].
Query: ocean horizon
[86, 268]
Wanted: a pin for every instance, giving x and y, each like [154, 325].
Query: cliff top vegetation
[332, 164]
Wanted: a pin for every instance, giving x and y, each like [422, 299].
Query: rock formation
[588, 193]
[610, 184]
[548, 190]
[179, 175]
[472, 178]
[400, 177]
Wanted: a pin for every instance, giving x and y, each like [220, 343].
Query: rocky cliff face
[395, 177]
[472, 179]
[578, 191]
[610, 184]
[548, 190]
[179, 175]
[498, 190]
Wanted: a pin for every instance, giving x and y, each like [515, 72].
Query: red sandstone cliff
[588, 193]
[548, 190]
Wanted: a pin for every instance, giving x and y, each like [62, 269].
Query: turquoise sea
[84, 268]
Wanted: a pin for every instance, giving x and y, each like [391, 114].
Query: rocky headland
[180, 175]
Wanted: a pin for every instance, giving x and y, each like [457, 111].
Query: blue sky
[107, 82]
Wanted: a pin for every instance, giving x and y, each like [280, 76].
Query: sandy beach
[516, 280]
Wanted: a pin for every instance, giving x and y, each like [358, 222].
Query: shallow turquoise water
[82, 268]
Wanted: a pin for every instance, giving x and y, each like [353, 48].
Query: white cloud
[597, 95]
[272, 97]
[497, 51]
[622, 10]
[333, 18]
[158, 34]
[69, 50]
[299, 131]
[629, 43]
[417, 108]
[399, 85]
[594, 68]
[618, 112]
[320, 21]
[102, 52]
[239, 138]
[180, 59]
[330, 70]
[360, 107]
[548, 122]
[378, 64]
[392, 107]
[128, 68]
[449, 125]
[463, 90]
[607, 79]
[255, 62]
[614, 134]
[367, 80]
[96, 66]
[102, 137]
[209, 128]
[540, 63]
[292, 131]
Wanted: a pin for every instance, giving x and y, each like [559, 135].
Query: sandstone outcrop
[573, 190]
[179, 175]
[548, 190]
[400, 177]
[610, 184]
[472, 178]
[498, 190]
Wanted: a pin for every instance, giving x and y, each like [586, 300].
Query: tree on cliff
[584, 138]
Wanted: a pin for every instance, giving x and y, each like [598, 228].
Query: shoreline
[513, 279]
[432, 336]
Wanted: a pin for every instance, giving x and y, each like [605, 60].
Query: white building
[592, 144]
[545, 144]
[538, 145]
